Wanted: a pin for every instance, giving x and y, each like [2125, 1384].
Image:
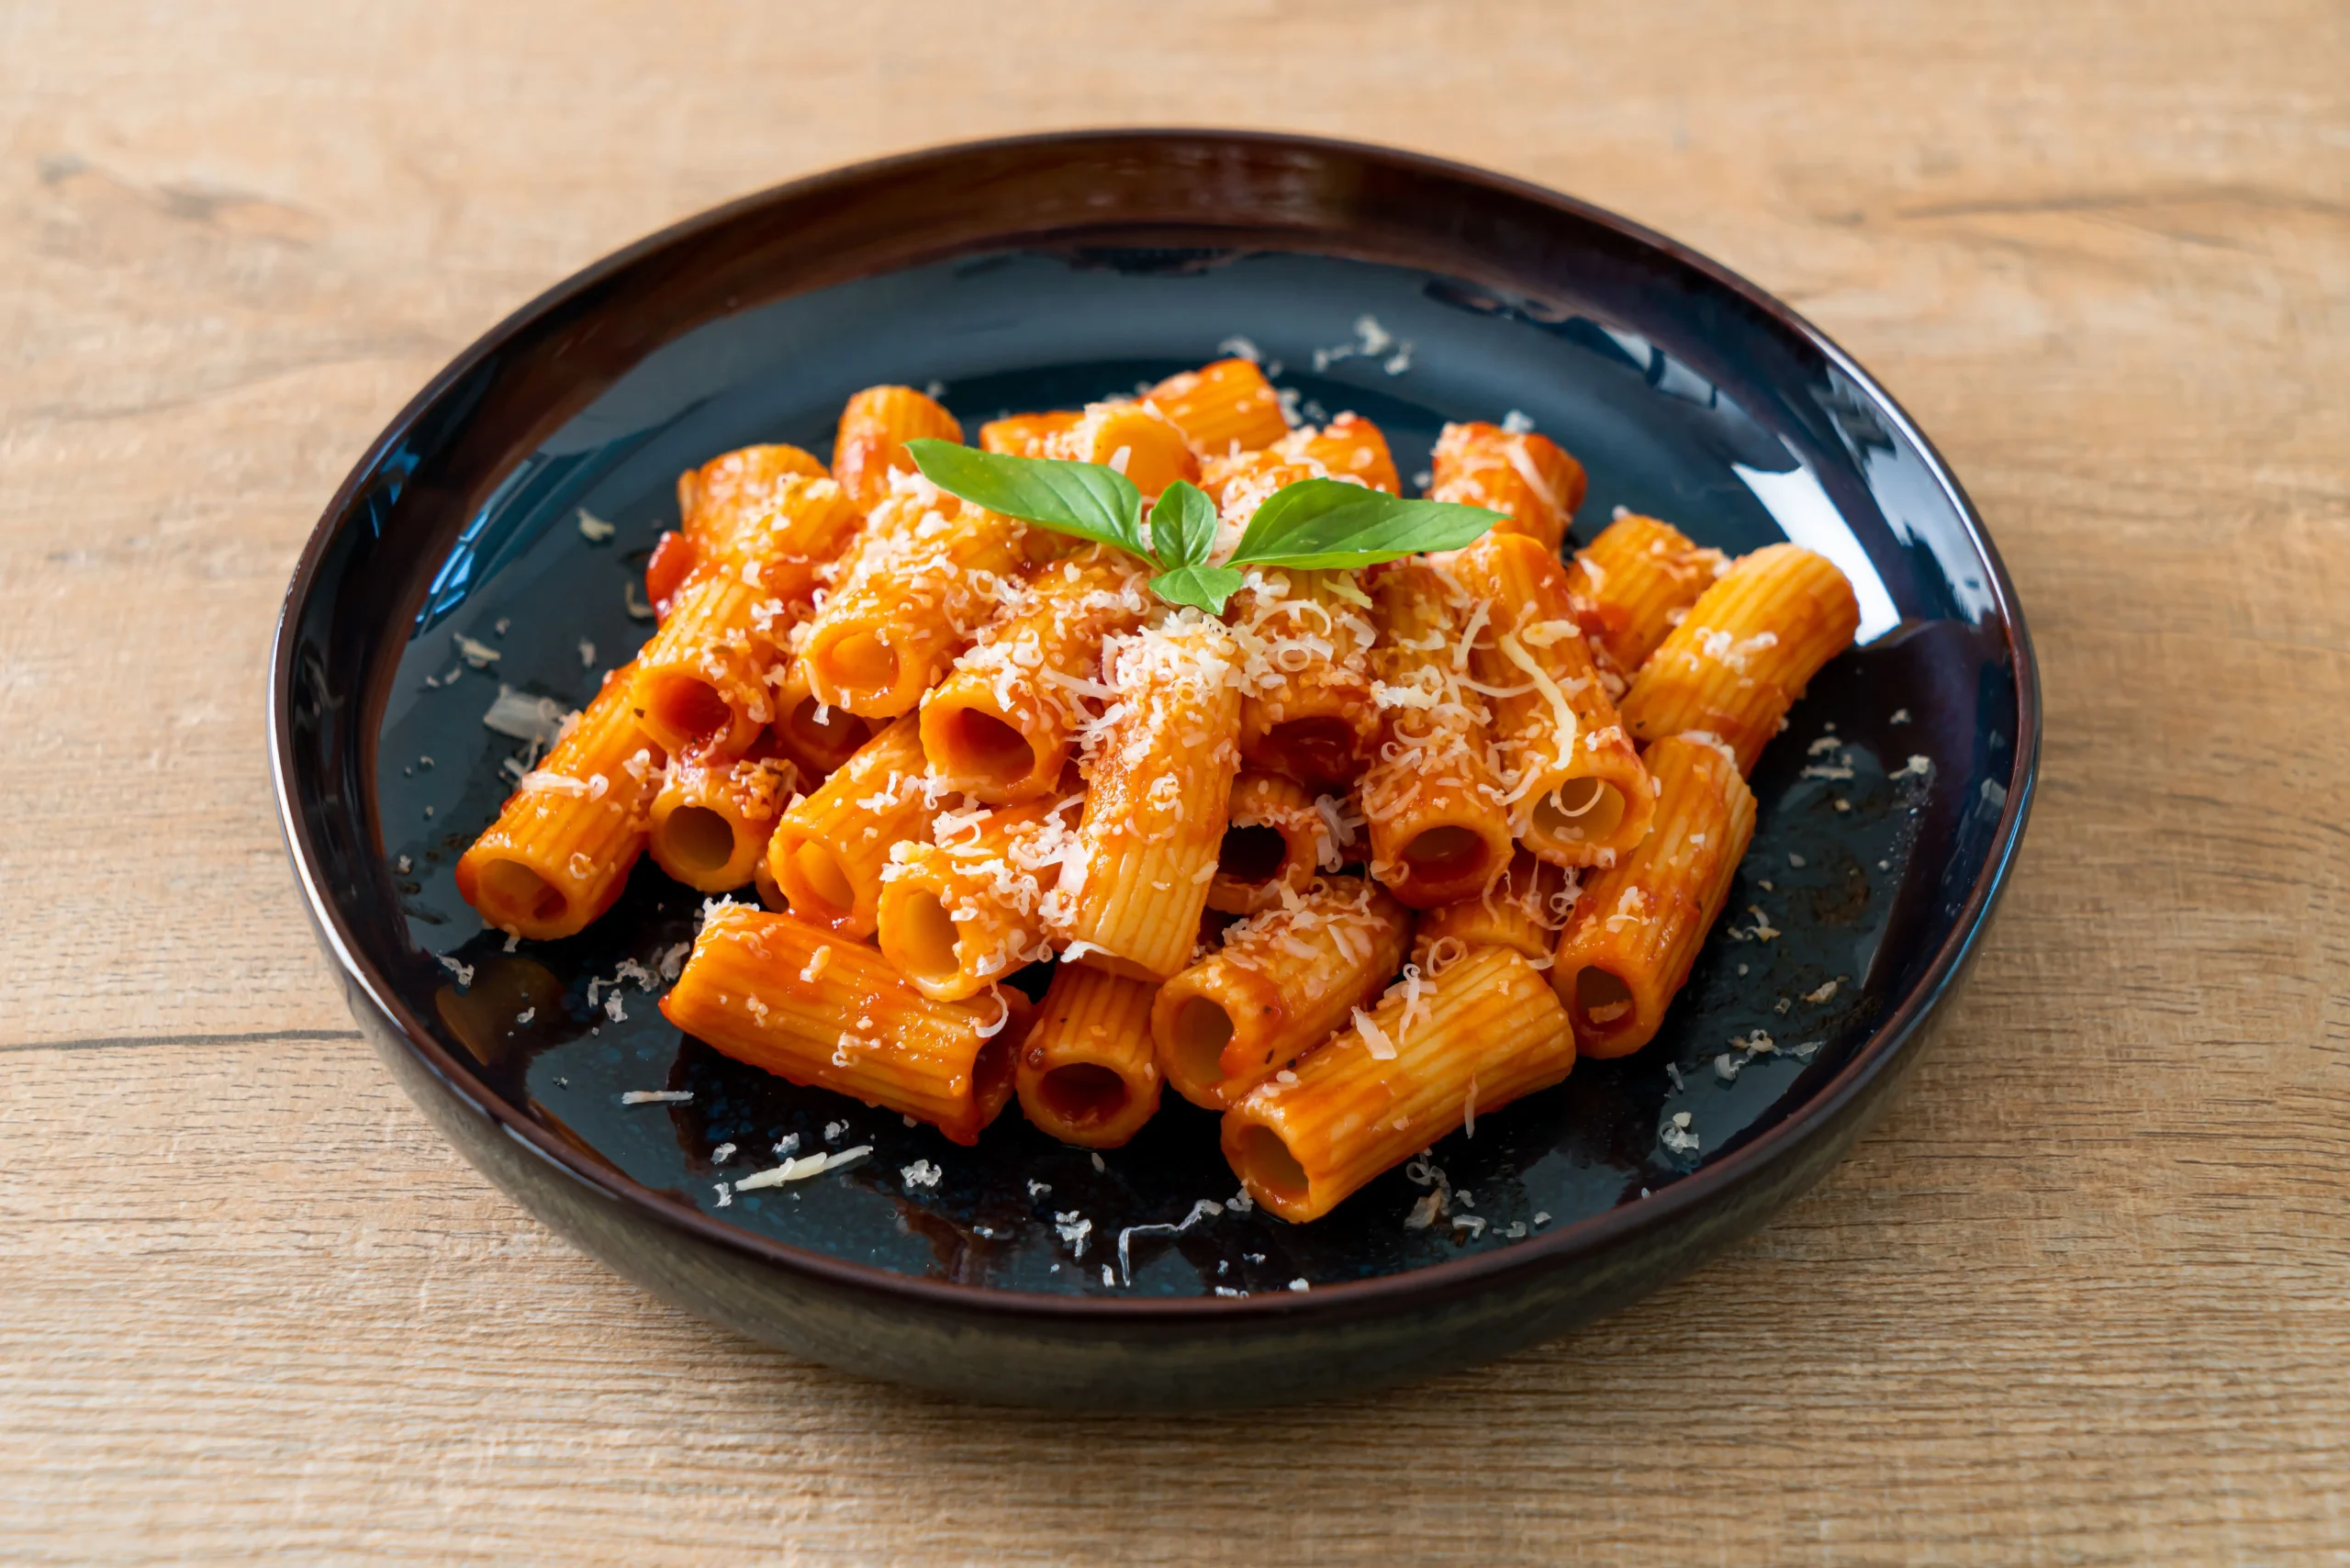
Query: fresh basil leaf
[1318, 523]
[1182, 525]
[1206, 587]
[1082, 498]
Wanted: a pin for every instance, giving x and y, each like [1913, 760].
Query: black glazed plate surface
[1045, 272]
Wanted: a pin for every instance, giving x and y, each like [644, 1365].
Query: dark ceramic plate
[1043, 273]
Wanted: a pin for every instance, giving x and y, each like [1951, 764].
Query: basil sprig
[1310, 525]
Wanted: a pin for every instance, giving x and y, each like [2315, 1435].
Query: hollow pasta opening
[689, 705]
[1201, 1030]
[1317, 751]
[698, 839]
[1266, 1162]
[860, 662]
[1445, 854]
[1603, 1002]
[511, 892]
[1254, 854]
[1580, 810]
[1082, 1093]
[804, 725]
[981, 745]
[923, 937]
[820, 869]
[992, 1069]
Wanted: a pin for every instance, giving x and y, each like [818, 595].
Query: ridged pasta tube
[1277, 987]
[1431, 1054]
[1579, 795]
[830, 1014]
[1638, 926]
[828, 852]
[870, 444]
[1085, 1073]
[1528, 478]
[1159, 788]
[1745, 651]
[561, 849]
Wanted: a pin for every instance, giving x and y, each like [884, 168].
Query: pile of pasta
[1369, 853]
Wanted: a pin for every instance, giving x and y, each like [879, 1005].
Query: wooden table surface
[2083, 1296]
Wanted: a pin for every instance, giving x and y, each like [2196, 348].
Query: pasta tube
[999, 727]
[560, 850]
[1430, 1058]
[702, 681]
[717, 503]
[711, 822]
[1025, 435]
[1281, 982]
[1275, 838]
[1439, 830]
[1349, 447]
[1136, 439]
[1085, 1073]
[1633, 583]
[870, 444]
[1222, 409]
[817, 736]
[1744, 653]
[1243, 482]
[963, 911]
[928, 572]
[1578, 794]
[1158, 774]
[1525, 477]
[831, 1013]
[1637, 926]
[744, 481]
[1523, 912]
[827, 853]
[1307, 707]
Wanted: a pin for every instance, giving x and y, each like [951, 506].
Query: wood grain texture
[2083, 1296]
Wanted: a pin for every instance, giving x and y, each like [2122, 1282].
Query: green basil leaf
[1182, 525]
[1082, 498]
[1318, 523]
[1206, 587]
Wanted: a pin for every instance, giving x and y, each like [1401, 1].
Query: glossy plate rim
[1699, 1189]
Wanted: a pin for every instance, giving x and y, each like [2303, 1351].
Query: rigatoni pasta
[1439, 825]
[1337, 826]
[827, 853]
[1277, 986]
[1633, 583]
[1158, 780]
[1638, 925]
[1275, 838]
[870, 446]
[1087, 1074]
[928, 572]
[1745, 651]
[563, 845]
[709, 824]
[1523, 912]
[1222, 409]
[1525, 477]
[1432, 1054]
[964, 911]
[999, 727]
[1306, 709]
[1577, 791]
[816, 1009]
